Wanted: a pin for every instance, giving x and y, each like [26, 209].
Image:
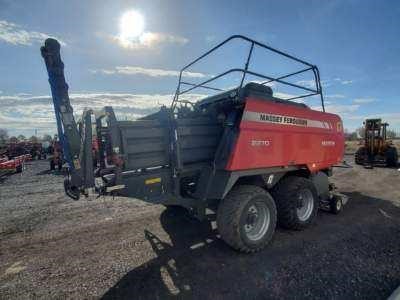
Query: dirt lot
[53, 247]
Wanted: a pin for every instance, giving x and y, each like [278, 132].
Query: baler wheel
[297, 202]
[175, 209]
[336, 205]
[246, 218]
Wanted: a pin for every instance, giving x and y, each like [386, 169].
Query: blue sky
[355, 44]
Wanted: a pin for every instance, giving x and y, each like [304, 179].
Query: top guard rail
[268, 79]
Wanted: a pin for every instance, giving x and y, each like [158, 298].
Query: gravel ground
[53, 247]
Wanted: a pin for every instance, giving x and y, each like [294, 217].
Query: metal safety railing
[189, 86]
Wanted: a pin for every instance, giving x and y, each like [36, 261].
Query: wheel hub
[305, 204]
[257, 221]
[338, 205]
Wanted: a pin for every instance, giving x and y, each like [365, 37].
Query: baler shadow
[197, 264]
[53, 172]
[3, 178]
[162, 277]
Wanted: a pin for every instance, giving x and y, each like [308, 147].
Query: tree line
[359, 133]
[6, 138]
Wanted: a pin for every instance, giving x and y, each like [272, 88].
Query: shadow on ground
[53, 172]
[352, 255]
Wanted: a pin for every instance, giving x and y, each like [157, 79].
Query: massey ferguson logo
[283, 119]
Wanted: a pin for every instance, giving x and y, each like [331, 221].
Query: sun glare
[131, 25]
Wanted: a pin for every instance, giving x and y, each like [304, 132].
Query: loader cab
[375, 135]
[377, 149]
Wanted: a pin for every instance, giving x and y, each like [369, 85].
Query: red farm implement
[14, 165]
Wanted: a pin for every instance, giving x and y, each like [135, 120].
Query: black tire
[52, 165]
[359, 156]
[289, 196]
[233, 218]
[175, 209]
[336, 205]
[391, 157]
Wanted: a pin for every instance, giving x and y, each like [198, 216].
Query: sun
[131, 25]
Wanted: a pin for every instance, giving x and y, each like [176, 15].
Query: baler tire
[391, 157]
[336, 206]
[286, 195]
[175, 209]
[233, 217]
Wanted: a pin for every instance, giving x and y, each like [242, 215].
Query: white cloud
[13, 34]
[391, 118]
[364, 100]
[334, 96]
[131, 70]
[324, 83]
[340, 80]
[23, 114]
[339, 109]
[354, 121]
[311, 83]
[210, 38]
[147, 40]
[345, 82]
[283, 96]
[307, 83]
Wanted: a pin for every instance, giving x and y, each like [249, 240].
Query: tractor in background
[377, 149]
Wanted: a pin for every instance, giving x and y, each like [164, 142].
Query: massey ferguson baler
[249, 156]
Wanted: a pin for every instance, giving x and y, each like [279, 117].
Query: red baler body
[278, 135]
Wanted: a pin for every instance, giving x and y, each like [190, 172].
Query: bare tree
[13, 139]
[47, 138]
[390, 134]
[33, 139]
[21, 137]
[3, 135]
